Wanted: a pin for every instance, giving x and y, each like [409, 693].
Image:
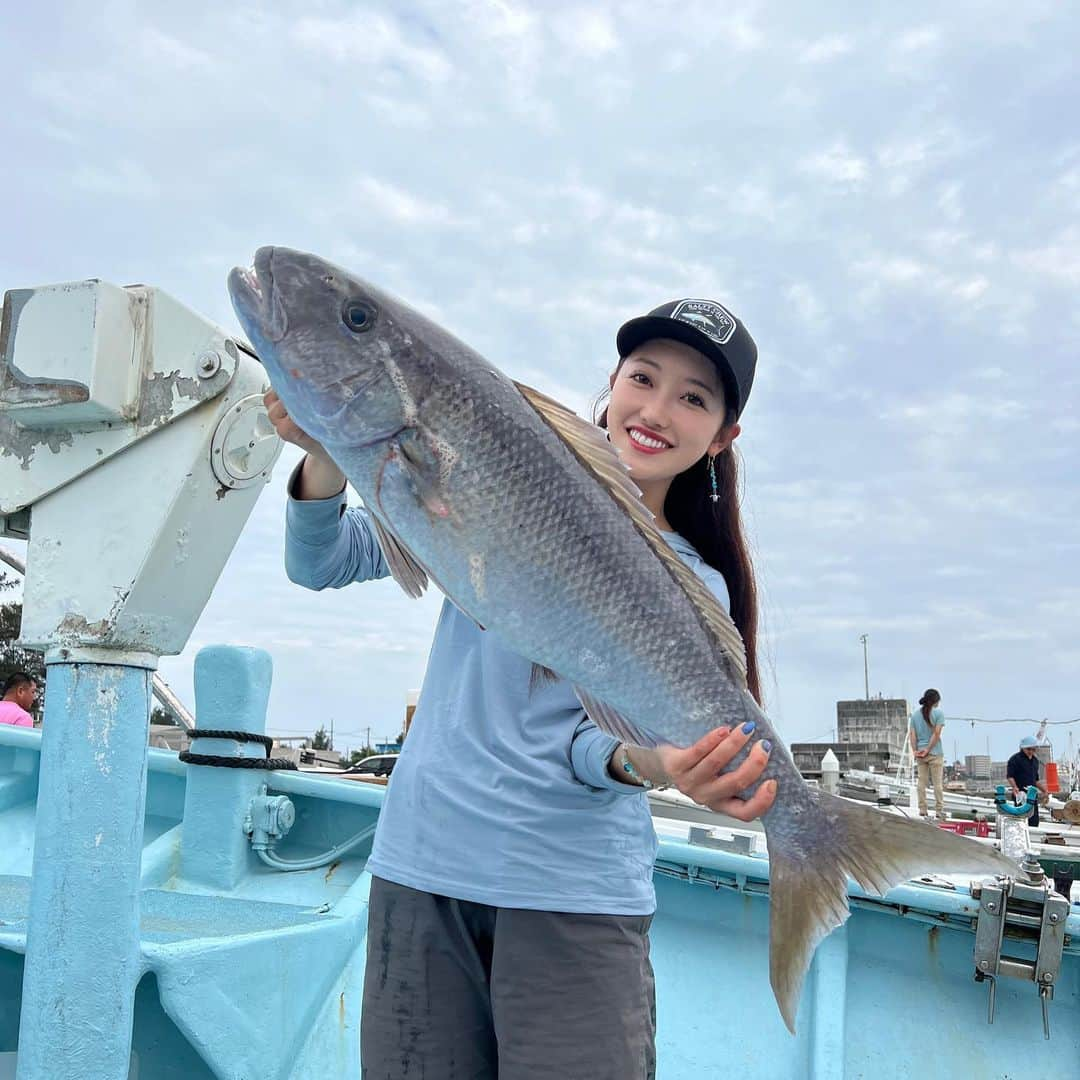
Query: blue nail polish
[766, 745]
[748, 727]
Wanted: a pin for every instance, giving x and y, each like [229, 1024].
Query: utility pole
[864, 638]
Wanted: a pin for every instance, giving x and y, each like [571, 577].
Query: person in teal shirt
[924, 730]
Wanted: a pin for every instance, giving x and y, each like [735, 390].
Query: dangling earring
[712, 478]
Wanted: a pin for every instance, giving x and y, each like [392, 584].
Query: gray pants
[461, 991]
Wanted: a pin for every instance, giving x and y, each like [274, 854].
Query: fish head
[326, 339]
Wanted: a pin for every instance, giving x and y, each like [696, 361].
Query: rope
[221, 762]
[215, 760]
[236, 736]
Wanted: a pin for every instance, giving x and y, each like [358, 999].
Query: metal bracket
[268, 819]
[1027, 911]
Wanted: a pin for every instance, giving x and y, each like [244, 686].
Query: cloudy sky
[890, 201]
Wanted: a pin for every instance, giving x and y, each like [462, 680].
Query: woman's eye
[640, 377]
[696, 399]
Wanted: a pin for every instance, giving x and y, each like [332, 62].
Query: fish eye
[357, 315]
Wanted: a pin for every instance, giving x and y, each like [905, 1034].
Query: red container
[1052, 777]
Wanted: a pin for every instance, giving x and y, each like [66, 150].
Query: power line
[973, 720]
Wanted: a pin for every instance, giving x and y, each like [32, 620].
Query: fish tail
[835, 840]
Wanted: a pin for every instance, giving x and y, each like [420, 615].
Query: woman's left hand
[696, 771]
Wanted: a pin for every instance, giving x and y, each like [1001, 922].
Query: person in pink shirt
[20, 690]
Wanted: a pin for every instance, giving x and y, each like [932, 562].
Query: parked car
[379, 765]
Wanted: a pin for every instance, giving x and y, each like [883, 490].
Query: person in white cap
[1022, 772]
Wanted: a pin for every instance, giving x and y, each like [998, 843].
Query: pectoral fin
[607, 719]
[404, 568]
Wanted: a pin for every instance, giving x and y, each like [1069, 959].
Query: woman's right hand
[287, 428]
[318, 477]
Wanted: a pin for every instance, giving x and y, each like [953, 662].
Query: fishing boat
[202, 915]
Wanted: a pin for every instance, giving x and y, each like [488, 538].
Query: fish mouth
[256, 298]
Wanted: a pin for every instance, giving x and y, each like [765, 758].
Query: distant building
[978, 766]
[878, 756]
[871, 733]
[873, 720]
[998, 770]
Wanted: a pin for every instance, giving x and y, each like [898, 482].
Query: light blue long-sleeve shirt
[501, 795]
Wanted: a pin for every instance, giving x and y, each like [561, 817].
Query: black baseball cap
[708, 327]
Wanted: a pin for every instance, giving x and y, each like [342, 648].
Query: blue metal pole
[82, 953]
[232, 688]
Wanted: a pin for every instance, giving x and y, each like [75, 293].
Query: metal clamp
[268, 819]
[1023, 909]
[1005, 805]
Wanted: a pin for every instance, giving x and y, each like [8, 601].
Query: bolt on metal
[209, 364]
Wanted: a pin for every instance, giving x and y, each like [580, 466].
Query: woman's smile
[646, 441]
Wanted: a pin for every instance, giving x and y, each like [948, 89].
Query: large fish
[523, 515]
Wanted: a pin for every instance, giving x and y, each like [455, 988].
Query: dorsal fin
[591, 446]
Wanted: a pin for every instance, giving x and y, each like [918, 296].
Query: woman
[512, 869]
[924, 730]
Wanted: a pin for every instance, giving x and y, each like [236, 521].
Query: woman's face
[666, 410]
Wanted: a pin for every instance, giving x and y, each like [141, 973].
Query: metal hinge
[1022, 909]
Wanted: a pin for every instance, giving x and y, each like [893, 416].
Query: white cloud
[123, 179]
[588, 32]
[399, 113]
[837, 165]
[919, 39]
[971, 289]
[164, 48]
[376, 196]
[372, 40]
[880, 273]
[1058, 260]
[827, 48]
[807, 304]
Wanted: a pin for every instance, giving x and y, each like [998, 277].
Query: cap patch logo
[709, 317]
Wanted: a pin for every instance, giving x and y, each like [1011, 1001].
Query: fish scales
[554, 547]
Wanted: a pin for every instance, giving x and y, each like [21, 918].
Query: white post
[830, 773]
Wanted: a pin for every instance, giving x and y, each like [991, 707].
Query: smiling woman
[683, 377]
[469, 904]
[512, 893]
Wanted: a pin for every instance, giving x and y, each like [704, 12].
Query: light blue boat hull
[261, 980]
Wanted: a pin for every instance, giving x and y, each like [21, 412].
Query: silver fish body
[518, 514]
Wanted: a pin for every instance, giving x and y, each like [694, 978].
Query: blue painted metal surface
[82, 946]
[246, 972]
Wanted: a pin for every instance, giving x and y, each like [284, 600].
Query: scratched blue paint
[244, 972]
[82, 949]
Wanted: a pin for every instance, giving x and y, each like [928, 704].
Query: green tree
[14, 657]
[320, 740]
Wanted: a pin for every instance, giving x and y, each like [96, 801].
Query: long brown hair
[928, 701]
[716, 531]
